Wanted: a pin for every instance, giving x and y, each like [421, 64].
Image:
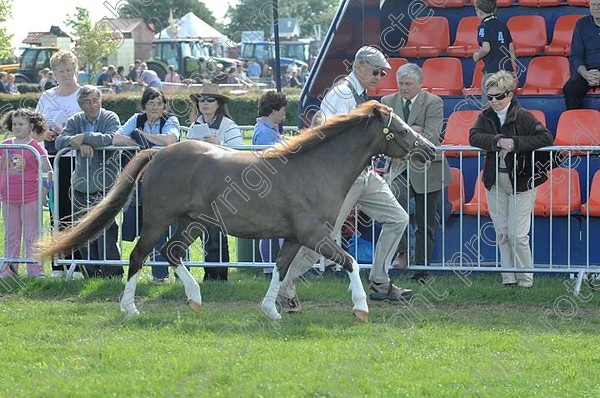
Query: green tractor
[191, 58]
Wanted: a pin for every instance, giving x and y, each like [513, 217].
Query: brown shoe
[400, 262]
[388, 291]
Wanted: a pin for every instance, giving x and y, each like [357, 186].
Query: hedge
[243, 108]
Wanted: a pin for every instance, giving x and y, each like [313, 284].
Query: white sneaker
[57, 274]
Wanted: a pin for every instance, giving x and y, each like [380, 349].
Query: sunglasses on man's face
[381, 73]
[498, 97]
[207, 99]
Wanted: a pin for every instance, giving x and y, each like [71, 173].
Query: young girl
[19, 188]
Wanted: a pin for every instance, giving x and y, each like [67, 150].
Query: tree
[158, 11]
[258, 14]
[6, 51]
[94, 41]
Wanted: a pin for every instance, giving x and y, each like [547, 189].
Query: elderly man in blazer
[423, 181]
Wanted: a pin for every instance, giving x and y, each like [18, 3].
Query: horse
[293, 190]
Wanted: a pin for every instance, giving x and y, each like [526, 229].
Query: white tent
[190, 26]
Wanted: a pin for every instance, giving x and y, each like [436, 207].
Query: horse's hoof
[362, 316]
[270, 311]
[131, 311]
[196, 307]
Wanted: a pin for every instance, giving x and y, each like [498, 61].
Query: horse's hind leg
[330, 250]
[188, 230]
[286, 255]
[150, 235]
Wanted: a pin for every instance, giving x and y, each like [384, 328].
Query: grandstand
[440, 36]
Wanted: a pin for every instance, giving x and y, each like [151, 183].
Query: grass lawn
[457, 338]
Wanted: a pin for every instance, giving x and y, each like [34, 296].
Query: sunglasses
[380, 73]
[207, 99]
[498, 97]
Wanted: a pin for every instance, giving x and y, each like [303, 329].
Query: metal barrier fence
[562, 231]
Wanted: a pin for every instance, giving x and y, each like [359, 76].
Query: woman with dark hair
[271, 113]
[509, 134]
[211, 122]
[153, 126]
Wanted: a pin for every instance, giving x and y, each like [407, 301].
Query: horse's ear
[377, 112]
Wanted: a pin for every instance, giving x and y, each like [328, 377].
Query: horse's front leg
[330, 250]
[284, 260]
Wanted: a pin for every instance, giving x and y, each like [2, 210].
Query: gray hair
[504, 80]
[413, 70]
[86, 91]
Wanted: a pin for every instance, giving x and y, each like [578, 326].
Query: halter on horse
[292, 191]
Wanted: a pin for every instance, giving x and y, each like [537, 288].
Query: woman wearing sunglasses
[509, 134]
[211, 122]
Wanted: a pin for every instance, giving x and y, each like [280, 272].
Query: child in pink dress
[19, 190]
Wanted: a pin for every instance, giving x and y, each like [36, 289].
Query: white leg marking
[359, 297]
[128, 298]
[192, 290]
[267, 305]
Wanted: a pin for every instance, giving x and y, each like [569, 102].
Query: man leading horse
[370, 192]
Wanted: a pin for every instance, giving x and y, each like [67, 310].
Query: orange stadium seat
[528, 33]
[578, 127]
[443, 76]
[427, 37]
[539, 115]
[465, 43]
[445, 3]
[387, 84]
[546, 75]
[457, 131]
[560, 195]
[563, 33]
[479, 202]
[456, 190]
[539, 3]
[593, 204]
[475, 88]
[578, 3]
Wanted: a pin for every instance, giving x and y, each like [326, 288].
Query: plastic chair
[465, 43]
[427, 37]
[475, 88]
[479, 201]
[593, 204]
[445, 3]
[546, 75]
[578, 3]
[539, 115]
[456, 190]
[528, 33]
[578, 127]
[539, 3]
[560, 195]
[443, 76]
[563, 33]
[457, 131]
[387, 84]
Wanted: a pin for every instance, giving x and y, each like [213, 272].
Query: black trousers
[575, 90]
[216, 250]
[426, 207]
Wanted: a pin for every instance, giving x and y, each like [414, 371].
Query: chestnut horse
[293, 191]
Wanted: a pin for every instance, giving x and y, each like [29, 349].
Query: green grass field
[459, 337]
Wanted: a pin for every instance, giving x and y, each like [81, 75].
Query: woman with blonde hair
[509, 133]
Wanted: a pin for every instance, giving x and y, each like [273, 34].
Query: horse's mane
[334, 125]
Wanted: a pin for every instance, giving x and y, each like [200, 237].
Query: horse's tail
[102, 215]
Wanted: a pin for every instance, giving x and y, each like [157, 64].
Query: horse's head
[400, 139]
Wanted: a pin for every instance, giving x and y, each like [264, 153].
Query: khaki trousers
[511, 215]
